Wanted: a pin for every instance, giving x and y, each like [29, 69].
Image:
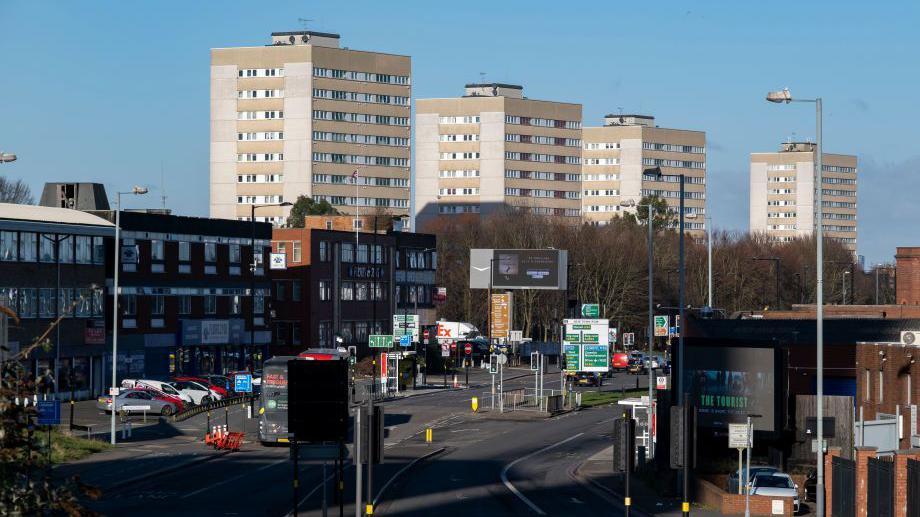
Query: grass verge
[66, 448]
[600, 398]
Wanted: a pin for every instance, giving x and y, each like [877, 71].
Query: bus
[273, 417]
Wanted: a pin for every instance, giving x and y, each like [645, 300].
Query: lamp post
[785, 97]
[252, 287]
[651, 314]
[776, 262]
[137, 191]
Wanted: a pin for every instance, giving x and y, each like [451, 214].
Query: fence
[843, 494]
[528, 399]
[880, 490]
[197, 410]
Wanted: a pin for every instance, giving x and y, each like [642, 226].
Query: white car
[776, 484]
[165, 387]
[199, 393]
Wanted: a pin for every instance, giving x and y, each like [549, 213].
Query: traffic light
[493, 364]
[624, 445]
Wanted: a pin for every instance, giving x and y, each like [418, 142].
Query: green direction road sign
[590, 338]
[590, 310]
[380, 341]
[572, 338]
[580, 326]
[572, 359]
[661, 325]
[596, 358]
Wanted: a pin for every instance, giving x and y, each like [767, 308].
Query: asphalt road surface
[516, 463]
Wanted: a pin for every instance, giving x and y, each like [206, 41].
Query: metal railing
[202, 408]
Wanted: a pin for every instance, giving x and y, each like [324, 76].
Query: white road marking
[513, 489]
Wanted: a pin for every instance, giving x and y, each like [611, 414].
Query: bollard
[475, 404]
[429, 435]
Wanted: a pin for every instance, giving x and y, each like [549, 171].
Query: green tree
[663, 215]
[305, 206]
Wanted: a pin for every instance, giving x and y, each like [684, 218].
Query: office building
[299, 117]
[493, 149]
[783, 194]
[619, 158]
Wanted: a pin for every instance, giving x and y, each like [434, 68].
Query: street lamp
[252, 288]
[785, 97]
[776, 261]
[7, 157]
[137, 191]
[651, 313]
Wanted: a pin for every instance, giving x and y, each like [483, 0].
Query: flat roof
[612, 115]
[47, 214]
[496, 85]
[307, 33]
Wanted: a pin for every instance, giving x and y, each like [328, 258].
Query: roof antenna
[162, 186]
[482, 78]
[304, 22]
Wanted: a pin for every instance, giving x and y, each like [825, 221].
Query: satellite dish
[292, 40]
[305, 38]
[495, 91]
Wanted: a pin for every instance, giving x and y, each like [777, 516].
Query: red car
[159, 395]
[220, 390]
[620, 361]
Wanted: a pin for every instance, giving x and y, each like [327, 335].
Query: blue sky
[114, 91]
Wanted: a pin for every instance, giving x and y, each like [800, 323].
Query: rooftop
[46, 214]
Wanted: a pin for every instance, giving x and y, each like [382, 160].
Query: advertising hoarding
[518, 269]
[501, 315]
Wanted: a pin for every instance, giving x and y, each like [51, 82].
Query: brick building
[887, 383]
[907, 287]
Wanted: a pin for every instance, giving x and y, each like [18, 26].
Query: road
[507, 464]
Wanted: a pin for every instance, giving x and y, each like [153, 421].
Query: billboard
[501, 315]
[518, 269]
[728, 383]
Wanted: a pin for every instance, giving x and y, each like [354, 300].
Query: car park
[200, 393]
[219, 383]
[133, 398]
[165, 387]
[776, 484]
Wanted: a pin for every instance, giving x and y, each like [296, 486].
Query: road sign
[738, 436]
[590, 310]
[113, 391]
[445, 350]
[501, 315]
[661, 326]
[572, 359]
[135, 408]
[612, 335]
[277, 261]
[516, 336]
[661, 382]
[405, 340]
[380, 341]
[406, 324]
[468, 349]
[595, 358]
[586, 345]
[242, 383]
[49, 412]
[502, 359]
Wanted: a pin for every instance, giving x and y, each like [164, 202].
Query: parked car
[755, 469]
[776, 484]
[219, 383]
[587, 379]
[165, 387]
[619, 361]
[200, 393]
[137, 397]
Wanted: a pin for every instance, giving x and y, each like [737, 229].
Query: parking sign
[49, 412]
[242, 383]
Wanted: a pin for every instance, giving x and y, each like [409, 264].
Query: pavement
[476, 461]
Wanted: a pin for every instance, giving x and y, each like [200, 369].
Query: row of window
[602, 161]
[535, 192]
[259, 115]
[780, 202]
[838, 181]
[354, 332]
[354, 291]
[465, 137]
[841, 193]
[362, 201]
[542, 122]
[29, 302]
[468, 191]
[781, 215]
[460, 156]
[351, 75]
[285, 289]
[838, 204]
[360, 118]
[600, 177]
[469, 119]
[781, 167]
[543, 158]
[353, 138]
[781, 191]
[355, 159]
[338, 179]
[781, 179]
[261, 72]
[839, 228]
[260, 178]
[251, 200]
[32, 247]
[540, 175]
[262, 135]
[281, 247]
[260, 157]
[372, 98]
[458, 209]
[602, 208]
[838, 168]
[597, 146]
[675, 178]
[607, 192]
[673, 194]
[459, 173]
[844, 217]
[260, 94]
[673, 148]
[662, 162]
[128, 304]
[543, 140]
[782, 226]
[558, 212]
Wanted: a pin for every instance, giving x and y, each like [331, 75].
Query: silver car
[135, 400]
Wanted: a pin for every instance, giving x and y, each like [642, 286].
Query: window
[348, 250]
[65, 248]
[295, 333]
[281, 291]
[210, 252]
[295, 291]
[84, 249]
[348, 290]
[98, 250]
[236, 306]
[325, 290]
[295, 252]
[9, 242]
[361, 291]
[158, 305]
[210, 304]
[128, 304]
[65, 302]
[46, 248]
[46, 303]
[868, 382]
[28, 306]
[881, 386]
[98, 302]
[185, 251]
[84, 303]
[185, 304]
[362, 254]
[28, 246]
[907, 388]
[324, 251]
[234, 253]
[156, 250]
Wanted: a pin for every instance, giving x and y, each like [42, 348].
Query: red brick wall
[733, 504]
[895, 362]
[829, 478]
[862, 478]
[900, 480]
[908, 275]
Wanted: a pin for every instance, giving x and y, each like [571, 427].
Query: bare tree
[16, 192]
